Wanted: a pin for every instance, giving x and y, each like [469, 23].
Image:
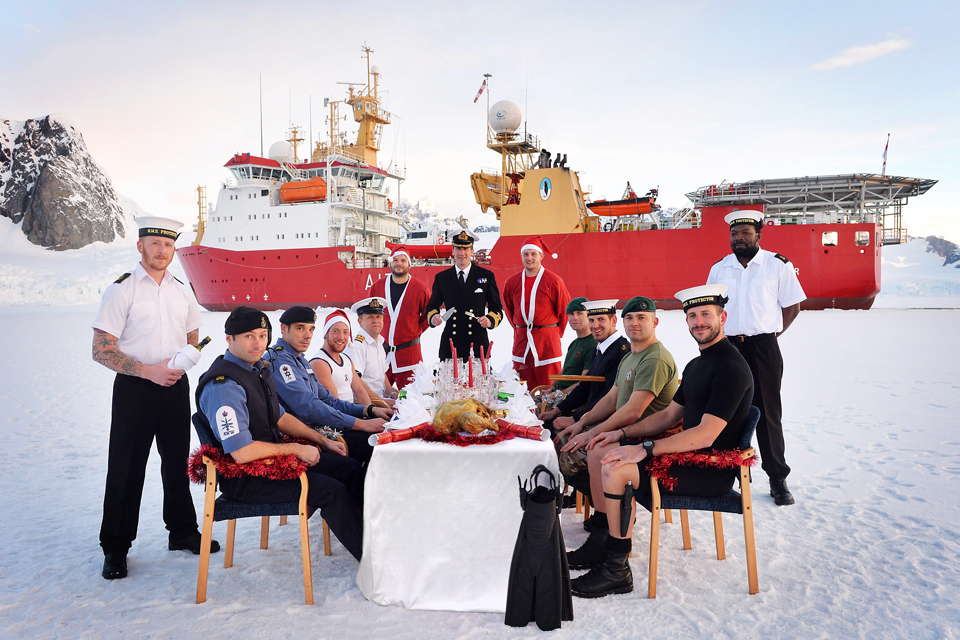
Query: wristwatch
[648, 447]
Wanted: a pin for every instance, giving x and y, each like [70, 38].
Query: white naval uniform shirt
[369, 360]
[757, 292]
[151, 321]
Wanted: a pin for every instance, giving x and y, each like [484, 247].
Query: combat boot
[781, 495]
[592, 552]
[612, 576]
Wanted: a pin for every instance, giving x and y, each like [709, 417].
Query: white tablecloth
[440, 522]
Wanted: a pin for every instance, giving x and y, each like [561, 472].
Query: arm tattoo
[106, 353]
[194, 337]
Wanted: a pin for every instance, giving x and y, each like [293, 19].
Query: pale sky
[671, 94]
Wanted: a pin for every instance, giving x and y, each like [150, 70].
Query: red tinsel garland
[431, 435]
[282, 467]
[731, 459]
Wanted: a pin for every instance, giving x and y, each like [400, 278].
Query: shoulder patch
[219, 379]
[359, 338]
[287, 372]
[179, 280]
[623, 347]
[122, 278]
[781, 258]
[227, 422]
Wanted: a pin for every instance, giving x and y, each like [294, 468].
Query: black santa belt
[387, 348]
[542, 326]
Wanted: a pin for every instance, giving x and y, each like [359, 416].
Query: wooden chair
[219, 509]
[732, 502]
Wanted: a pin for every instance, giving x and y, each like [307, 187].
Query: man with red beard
[405, 319]
[535, 301]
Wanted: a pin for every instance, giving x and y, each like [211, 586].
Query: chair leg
[208, 506]
[228, 552]
[265, 532]
[747, 503]
[586, 507]
[326, 539]
[579, 501]
[685, 526]
[668, 516]
[718, 533]
[283, 520]
[305, 542]
[654, 538]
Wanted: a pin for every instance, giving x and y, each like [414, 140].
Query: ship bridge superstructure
[847, 198]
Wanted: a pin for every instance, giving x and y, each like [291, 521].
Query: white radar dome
[375, 70]
[281, 151]
[504, 117]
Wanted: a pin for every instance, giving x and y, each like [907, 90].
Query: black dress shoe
[613, 576]
[115, 565]
[781, 495]
[591, 553]
[191, 542]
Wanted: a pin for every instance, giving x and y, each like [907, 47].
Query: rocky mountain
[947, 250]
[50, 183]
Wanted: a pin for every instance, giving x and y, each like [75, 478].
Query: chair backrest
[204, 432]
[746, 436]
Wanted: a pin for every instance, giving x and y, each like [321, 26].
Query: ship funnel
[504, 117]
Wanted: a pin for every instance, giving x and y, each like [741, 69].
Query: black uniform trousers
[762, 353]
[335, 488]
[358, 445]
[141, 412]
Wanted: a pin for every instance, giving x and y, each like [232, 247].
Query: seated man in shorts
[714, 401]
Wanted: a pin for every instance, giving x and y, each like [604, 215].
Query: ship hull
[622, 264]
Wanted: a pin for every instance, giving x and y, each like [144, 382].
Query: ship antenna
[310, 121]
[261, 115]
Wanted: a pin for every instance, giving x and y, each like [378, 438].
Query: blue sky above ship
[668, 95]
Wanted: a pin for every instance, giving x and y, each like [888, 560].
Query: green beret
[576, 305]
[640, 303]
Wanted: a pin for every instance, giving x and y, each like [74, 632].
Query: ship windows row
[222, 218]
[861, 238]
[240, 238]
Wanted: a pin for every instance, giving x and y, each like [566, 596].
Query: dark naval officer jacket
[478, 294]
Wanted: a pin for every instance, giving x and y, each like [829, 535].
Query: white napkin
[507, 373]
[520, 410]
[409, 412]
[422, 380]
[185, 359]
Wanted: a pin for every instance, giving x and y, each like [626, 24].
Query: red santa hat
[400, 250]
[537, 243]
[334, 318]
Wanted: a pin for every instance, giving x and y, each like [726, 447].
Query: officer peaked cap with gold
[465, 238]
[372, 305]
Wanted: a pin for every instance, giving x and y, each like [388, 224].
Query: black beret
[298, 314]
[244, 319]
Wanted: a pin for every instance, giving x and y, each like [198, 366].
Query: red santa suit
[536, 308]
[403, 323]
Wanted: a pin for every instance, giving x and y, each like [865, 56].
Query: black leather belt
[542, 326]
[762, 336]
[389, 349]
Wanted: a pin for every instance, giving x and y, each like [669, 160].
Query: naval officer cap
[639, 303]
[162, 227]
[576, 305]
[244, 319]
[705, 294]
[372, 305]
[601, 307]
[746, 216]
[298, 313]
[465, 239]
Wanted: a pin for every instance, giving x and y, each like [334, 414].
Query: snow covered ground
[871, 548]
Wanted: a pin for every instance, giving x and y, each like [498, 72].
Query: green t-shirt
[653, 370]
[579, 356]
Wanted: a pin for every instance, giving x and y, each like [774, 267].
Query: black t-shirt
[396, 291]
[718, 382]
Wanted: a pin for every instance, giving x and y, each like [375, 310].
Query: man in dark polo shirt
[714, 401]
[580, 351]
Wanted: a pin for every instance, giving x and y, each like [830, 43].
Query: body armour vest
[260, 389]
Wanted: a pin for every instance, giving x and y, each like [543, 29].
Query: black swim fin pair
[539, 585]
